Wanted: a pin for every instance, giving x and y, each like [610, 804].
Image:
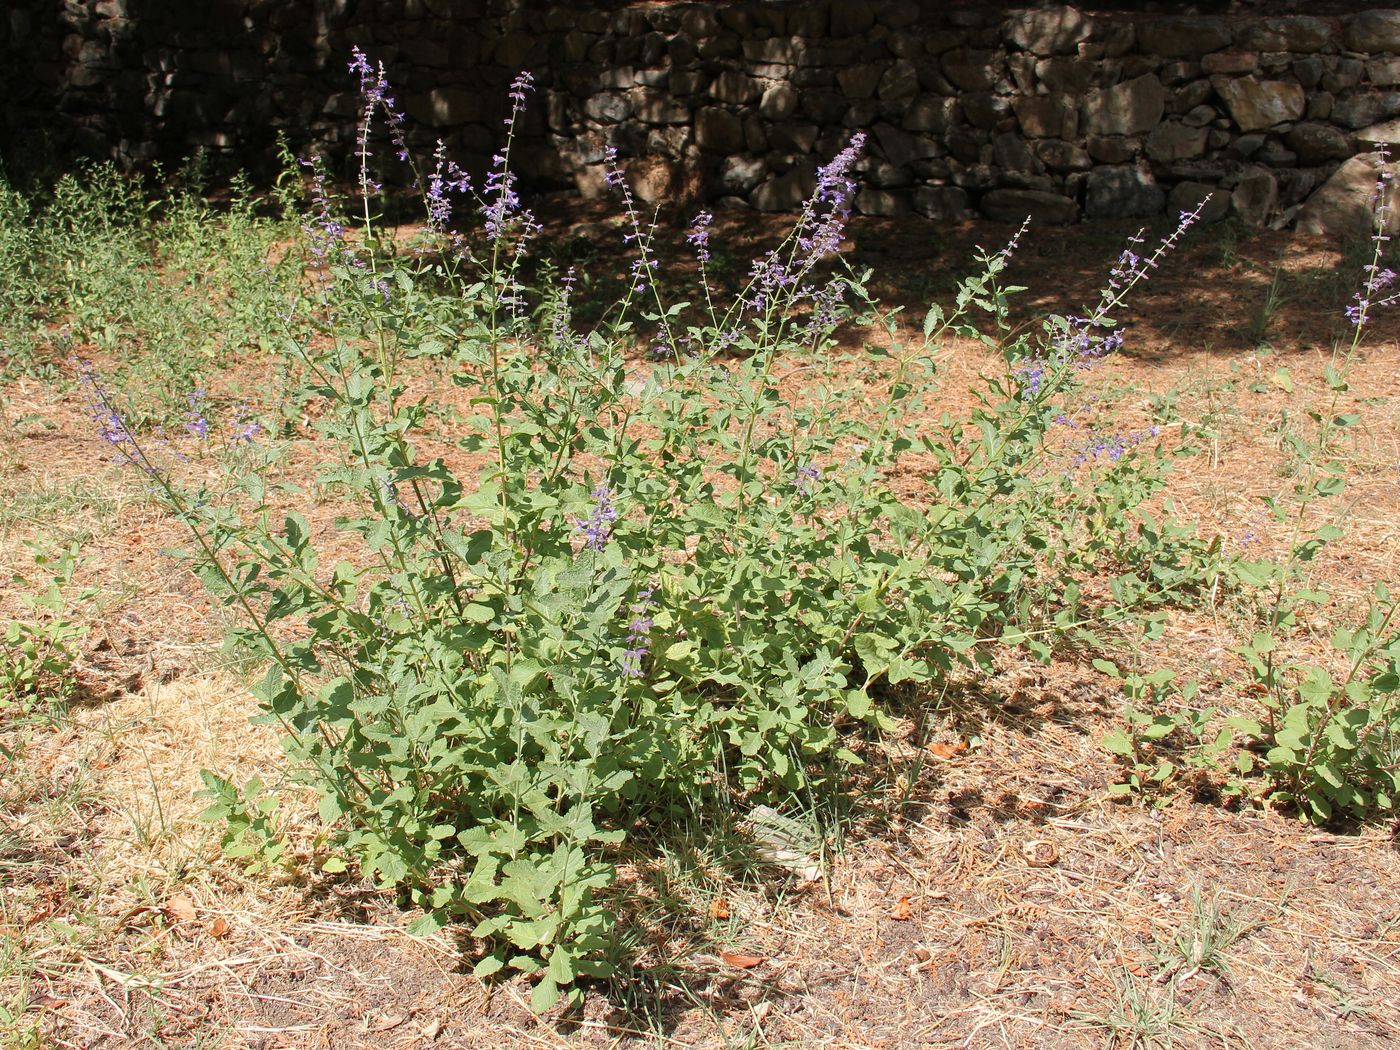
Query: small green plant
[37, 653]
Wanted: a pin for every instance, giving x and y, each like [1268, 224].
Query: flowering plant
[669, 578]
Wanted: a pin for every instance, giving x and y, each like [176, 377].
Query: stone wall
[1064, 113]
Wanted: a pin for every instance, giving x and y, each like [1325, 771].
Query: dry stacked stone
[1058, 112]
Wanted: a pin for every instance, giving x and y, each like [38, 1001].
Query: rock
[719, 130]
[1371, 32]
[1342, 207]
[786, 192]
[851, 17]
[1291, 33]
[1173, 141]
[1377, 108]
[1112, 150]
[1275, 154]
[656, 107]
[1383, 72]
[778, 103]
[1244, 147]
[1188, 196]
[1387, 134]
[1010, 153]
[1130, 108]
[1071, 76]
[1346, 74]
[985, 110]
[901, 148]
[1182, 37]
[607, 107]
[1320, 105]
[1014, 206]
[901, 80]
[793, 138]
[1062, 156]
[1309, 71]
[880, 202]
[734, 87]
[1255, 196]
[948, 203]
[445, 106]
[740, 174]
[860, 81]
[1200, 116]
[1121, 191]
[969, 70]
[1054, 31]
[1318, 143]
[931, 113]
[1258, 104]
[1230, 62]
[1040, 116]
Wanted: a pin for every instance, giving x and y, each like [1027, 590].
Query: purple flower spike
[639, 634]
[597, 527]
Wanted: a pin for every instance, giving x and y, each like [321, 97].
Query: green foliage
[161, 289]
[37, 653]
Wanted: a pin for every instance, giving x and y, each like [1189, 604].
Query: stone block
[1318, 143]
[1255, 196]
[785, 192]
[946, 203]
[899, 81]
[1297, 33]
[1120, 192]
[1187, 37]
[1042, 208]
[1175, 141]
[931, 113]
[860, 81]
[1230, 62]
[1063, 156]
[1371, 32]
[778, 103]
[970, 70]
[735, 87]
[719, 130]
[1214, 203]
[1129, 108]
[1040, 116]
[1258, 104]
[1050, 31]
[870, 201]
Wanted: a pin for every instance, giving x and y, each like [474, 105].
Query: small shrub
[623, 583]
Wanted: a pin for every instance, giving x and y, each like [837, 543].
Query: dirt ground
[987, 890]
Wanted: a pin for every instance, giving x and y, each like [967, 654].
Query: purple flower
[195, 420]
[806, 477]
[699, 236]
[245, 429]
[447, 178]
[638, 634]
[597, 527]
[374, 92]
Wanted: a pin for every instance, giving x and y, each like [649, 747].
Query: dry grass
[983, 891]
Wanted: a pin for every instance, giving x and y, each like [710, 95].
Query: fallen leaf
[219, 927]
[901, 911]
[433, 1029]
[181, 909]
[1040, 853]
[743, 962]
[386, 1021]
[719, 908]
[947, 750]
